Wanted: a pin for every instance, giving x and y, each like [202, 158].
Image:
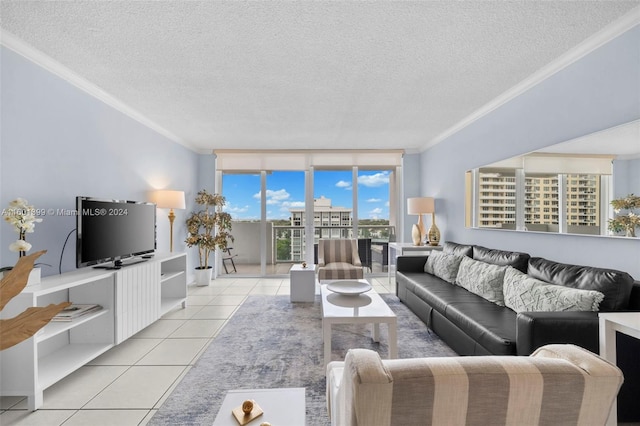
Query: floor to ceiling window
[277, 199]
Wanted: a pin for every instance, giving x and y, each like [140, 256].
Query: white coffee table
[282, 406]
[366, 308]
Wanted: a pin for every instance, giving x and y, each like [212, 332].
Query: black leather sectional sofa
[471, 325]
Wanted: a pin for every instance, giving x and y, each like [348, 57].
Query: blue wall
[58, 142]
[597, 92]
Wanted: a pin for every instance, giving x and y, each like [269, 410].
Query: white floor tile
[183, 313]
[199, 300]
[107, 418]
[174, 352]
[197, 329]
[75, 390]
[35, 418]
[140, 387]
[127, 353]
[237, 290]
[227, 300]
[216, 312]
[271, 291]
[160, 329]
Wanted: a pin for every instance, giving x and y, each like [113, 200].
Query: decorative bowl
[349, 287]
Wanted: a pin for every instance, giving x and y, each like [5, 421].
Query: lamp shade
[420, 205]
[166, 199]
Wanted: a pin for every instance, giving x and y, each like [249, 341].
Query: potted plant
[22, 217]
[629, 221]
[208, 229]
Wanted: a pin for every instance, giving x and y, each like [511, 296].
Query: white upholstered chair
[338, 259]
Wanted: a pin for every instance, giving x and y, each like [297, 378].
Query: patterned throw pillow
[523, 293]
[442, 265]
[481, 278]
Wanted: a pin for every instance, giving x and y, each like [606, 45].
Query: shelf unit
[131, 299]
[173, 283]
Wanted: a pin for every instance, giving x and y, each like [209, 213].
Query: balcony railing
[286, 245]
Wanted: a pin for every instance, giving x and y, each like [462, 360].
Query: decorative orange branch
[26, 324]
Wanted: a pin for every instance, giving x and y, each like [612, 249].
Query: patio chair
[228, 257]
[338, 259]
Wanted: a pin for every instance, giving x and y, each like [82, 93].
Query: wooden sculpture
[15, 330]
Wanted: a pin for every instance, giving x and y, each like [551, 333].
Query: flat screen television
[113, 230]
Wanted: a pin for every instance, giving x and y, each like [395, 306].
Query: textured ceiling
[306, 75]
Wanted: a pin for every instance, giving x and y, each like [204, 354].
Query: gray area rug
[273, 343]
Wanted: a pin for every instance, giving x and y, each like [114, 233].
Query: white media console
[132, 298]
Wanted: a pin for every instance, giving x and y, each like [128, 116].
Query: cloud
[233, 209]
[375, 213]
[374, 200]
[291, 205]
[378, 179]
[344, 184]
[274, 197]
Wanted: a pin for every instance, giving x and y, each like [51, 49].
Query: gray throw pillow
[484, 279]
[442, 265]
[525, 294]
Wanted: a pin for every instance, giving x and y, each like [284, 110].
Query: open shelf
[56, 327]
[66, 360]
[170, 275]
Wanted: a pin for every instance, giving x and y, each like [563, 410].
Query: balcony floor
[282, 269]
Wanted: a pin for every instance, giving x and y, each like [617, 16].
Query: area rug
[273, 343]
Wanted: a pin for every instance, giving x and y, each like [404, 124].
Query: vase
[416, 235]
[34, 276]
[203, 276]
[433, 235]
[631, 232]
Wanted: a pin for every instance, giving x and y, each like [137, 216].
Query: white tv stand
[131, 298]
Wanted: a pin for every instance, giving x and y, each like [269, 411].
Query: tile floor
[127, 384]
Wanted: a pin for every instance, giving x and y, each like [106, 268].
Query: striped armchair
[339, 259]
[556, 385]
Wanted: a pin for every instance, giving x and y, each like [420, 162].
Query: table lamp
[419, 206]
[166, 199]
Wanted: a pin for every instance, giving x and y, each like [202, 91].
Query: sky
[285, 190]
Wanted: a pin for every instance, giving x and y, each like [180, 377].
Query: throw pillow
[484, 279]
[442, 265]
[523, 293]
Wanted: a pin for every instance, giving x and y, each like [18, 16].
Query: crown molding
[608, 33]
[20, 47]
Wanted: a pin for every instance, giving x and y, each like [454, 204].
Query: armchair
[339, 259]
[557, 384]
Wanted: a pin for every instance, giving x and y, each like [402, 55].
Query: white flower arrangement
[22, 217]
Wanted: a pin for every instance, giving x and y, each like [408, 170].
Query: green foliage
[629, 221]
[208, 229]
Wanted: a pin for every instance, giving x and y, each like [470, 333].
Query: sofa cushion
[525, 294]
[443, 265]
[484, 279]
[492, 326]
[501, 257]
[439, 294]
[457, 249]
[615, 285]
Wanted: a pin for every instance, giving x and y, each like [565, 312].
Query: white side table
[282, 406]
[302, 283]
[401, 249]
[610, 323]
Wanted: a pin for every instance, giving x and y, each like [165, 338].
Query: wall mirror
[565, 188]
